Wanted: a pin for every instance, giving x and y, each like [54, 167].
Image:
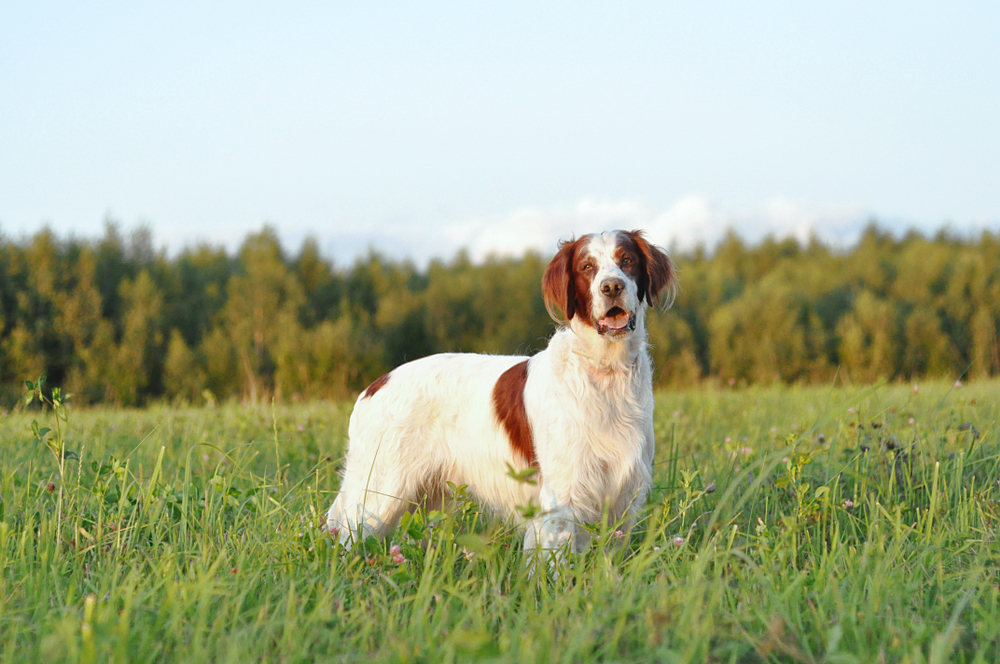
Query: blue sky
[418, 128]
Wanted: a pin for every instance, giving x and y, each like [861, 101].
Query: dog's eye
[627, 260]
[587, 267]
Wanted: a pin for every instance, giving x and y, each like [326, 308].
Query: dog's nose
[612, 287]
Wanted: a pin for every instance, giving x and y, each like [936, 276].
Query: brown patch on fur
[508, 408]
[566, 285]
[376, 385]
[582, 279]
[656, 273]
[628, 257]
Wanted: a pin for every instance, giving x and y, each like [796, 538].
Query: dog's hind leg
[375, 492]
[361, 514]
[390, 465]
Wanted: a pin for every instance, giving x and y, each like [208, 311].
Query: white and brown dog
[580, 411]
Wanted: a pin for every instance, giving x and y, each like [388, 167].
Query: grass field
[787, 524]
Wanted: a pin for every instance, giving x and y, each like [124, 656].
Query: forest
[115, 320]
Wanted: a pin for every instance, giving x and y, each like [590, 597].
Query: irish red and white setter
[580, 411]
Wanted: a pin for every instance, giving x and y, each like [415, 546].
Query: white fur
[589, 403]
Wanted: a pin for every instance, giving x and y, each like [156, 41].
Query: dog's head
[603, 280]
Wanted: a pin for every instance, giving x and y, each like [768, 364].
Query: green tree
[195, 291]
[93, 315]
[322, 288]
[19, 356]
[222, 373]
[514, 317]
[183, 376]
[455, 290]
[765, 335]
[672, 349]
[985, 344]
[261, 309]
[89, 337]
[137, 357]
[869, 336]
[926, 349]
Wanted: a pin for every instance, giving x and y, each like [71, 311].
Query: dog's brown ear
[658, 276]
[558, 289]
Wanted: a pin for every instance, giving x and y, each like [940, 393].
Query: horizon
[291, 251]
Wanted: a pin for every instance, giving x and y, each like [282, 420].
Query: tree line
[115, 320]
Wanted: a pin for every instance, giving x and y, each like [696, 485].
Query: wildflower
[851, 410]
[301, 428]
[204, 457]
[371, 560]
[394, 550]
[469, 555]
[821, 438]
[774, 430]
[848, 504]
[656, 548]
[619, 533]
[746, 450]
[911, 420]
[233, 570]
[958, 383]
[728, 440]
[784, 459]
[678, 541]
[334, 530]
[51, 486]
[916, 388]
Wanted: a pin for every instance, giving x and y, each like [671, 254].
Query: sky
[417, 129]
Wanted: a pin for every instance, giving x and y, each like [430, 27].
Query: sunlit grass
[787, 524]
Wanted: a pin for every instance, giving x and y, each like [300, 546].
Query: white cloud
[542, 229]
[692, 220]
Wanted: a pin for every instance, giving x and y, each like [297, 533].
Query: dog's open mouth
[616, 321]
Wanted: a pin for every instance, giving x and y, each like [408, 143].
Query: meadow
[787, 524]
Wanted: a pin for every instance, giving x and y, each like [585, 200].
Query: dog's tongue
[616, 322]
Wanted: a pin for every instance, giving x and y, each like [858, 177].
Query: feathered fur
[587, 399]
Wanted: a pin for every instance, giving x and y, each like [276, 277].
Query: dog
[579, 412]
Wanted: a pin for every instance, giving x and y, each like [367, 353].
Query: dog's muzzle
[616, 321]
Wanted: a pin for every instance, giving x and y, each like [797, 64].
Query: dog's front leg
[555, 531]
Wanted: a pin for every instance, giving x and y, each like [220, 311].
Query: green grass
[182, 541]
